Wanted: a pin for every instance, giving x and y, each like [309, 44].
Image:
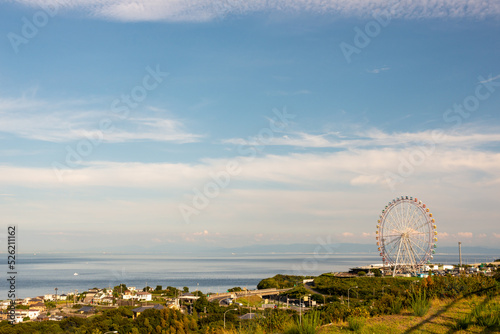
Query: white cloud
[376, 138]
[378, 70]
[73, 120]
[360, 168]
[465, 234]
[489, 79]
[205, 10]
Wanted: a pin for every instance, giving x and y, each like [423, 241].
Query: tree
[361, 273]
[159, 288]
[185, 289]
[268, 283]
[120, 288]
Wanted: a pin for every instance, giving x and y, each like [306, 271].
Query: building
[138, 310]
[188, 297]
[144, 296]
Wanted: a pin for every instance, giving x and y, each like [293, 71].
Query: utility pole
[460, 253]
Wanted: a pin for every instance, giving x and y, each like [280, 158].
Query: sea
[40, 274]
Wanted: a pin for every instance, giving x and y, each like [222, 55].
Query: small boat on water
[75, 274]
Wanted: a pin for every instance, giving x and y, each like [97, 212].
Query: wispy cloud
[205, 10]
[489, 79]
[375, 138]
[378, 70]
[72, 120]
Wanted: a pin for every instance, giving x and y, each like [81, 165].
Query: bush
[420, 303]
[361, 273]
[309, 324]
[356, 323]
[397, 306]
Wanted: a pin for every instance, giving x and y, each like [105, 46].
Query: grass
[355, 324]
[250, 301]
[397, 306]
[420, 304]
[310, 323]
[442, 317]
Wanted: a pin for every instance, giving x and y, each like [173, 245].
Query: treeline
[166, 321]
[281, 282]
[368, 296]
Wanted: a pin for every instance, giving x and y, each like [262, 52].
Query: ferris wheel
[406, 235]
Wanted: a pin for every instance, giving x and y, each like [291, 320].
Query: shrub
[396, 306]
[356, 323]
[309, 324]
[420, 303]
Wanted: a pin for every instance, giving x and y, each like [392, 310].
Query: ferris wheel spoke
[415, 211]
[413, 256]
[392, 240]
[423, 250]
[393, 219]
[422, 225]
[395, 243]
[397, 256]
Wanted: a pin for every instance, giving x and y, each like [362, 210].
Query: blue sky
[115, 114]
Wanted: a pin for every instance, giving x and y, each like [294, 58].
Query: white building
[144, 296]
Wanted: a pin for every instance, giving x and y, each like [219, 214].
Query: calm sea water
[42, 273]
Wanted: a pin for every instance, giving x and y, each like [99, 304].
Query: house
[127, 294]
[32, 314]
[89, 298]
[48, 297]
[138, 310]
[18, 317]
[42, 317]
[35, 300]
[38, 306]
[144, 296]
[63, 297]
[4, 305]
[107, 300]
[86, 310]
